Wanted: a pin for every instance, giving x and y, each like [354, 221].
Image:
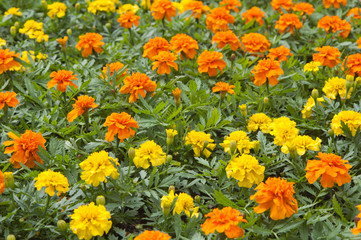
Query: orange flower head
[24, 148]
[113, 67]
[276, 194]
[81, 105]
[359, 42]
[267, 69]
[197, 8]
[277, 5]
[280, 53]
[177, 93]
[161, 8]
[336, 24]
[7, 60]
[210, 61]
[152, 235]
[330, 167]
[62, 41]
[354, 13]
[128, 19]
[2, 182]
[9, 99]
[121, 124]
[224, 221]
[163, 61]
[62, 78]
[154, 46]
[303, 8]
[184, 44]
[353, 64]
[136, 84]
[255, 43]
[327, 56]
[357, 230]
[288, 20]
[90, 42]
[227, 37]
[218, 19]
[254, 13]
[335, 3]
[223, 88]
[230, 5]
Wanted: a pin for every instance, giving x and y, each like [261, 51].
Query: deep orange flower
[62, 78]
[280, 53]
[128, 19]
[90, 42]
[81, 105]
[154, 46]
[354, 13]
[267, 69]
[177, 93]
[230, 5]
[276, 194]
[223, 87]
[335, 3]
[278, 4]
[7, 60]
[9, 99]
[254, 13]
[152, 235]
[121, 124]
[303, 8]
[290, 21]
[25, 148]
[255, 42]
[227, 37]
[197, 8]
[113, 67]
[2, 182]
[328, 56]
[224, 221]
[62, 41]
[184, 44]
[330, 167]
[353, 64]
[163, 61]
[210, 61]
[336, 24]
[357, 230]
[136, 84]
[161, 8]
[218, 19]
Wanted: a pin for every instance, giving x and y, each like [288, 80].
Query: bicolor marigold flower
[336, 86]
[277, 5]
[303, 8]
[8, 60]
[52, 181]
[218, 19]
[267, 70]
[276, 194]
[280, 53]
[185, 45]
[2, 182]
[89, 42]
[13, 11]
[259, 121]
[184, 203]
[163, 61]
[210, 61]
[231, 5]
[154, 46]
[255, 42]
[113, 67]
[136, 84]
[128, 19]
[288, 21]
[353, 64]
[254, 13]
[330, 167]
[351, 118]
[226, 37]
[149, 153]
[81, 106]
[163, 8]
[354, 13]
[25, 148]
[102, 6]
[300, 144]
[327, 56]
[62, 79]
[223, 88]
[311, 66]
[357, 230]
[335, 3]
[9, 99]
[243, 143]
[336, 24]
[120, 124]
[201, 143]
[284, 130]
[196, 7]
[57, 9]
[152, 235]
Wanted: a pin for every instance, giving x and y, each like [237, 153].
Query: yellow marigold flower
[246, 170]
[101, 6]
[97, 167]
[39, 36]
[201, 142]
[259, 121]
[284, 130]
[171, 133]
[41, 56]
[30, 27]
[336, 86]
[166, 201]
[311, 66]
[351, 118]
[149, 152]
[2, 42]
[90, 220]
[13, 11]
[184, 203]
[307, 108]
[56, 9]
[128, 8]
[301, 144]
[52, 181]
[242, 140]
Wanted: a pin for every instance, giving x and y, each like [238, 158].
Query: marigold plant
[267, 70]
[154, 46]
[89, 42]
[280, 53]
[336, 86]
[300, 144]
[163, 61]
[81, 106]
[259, 121]
[312, 66]
[304, 8]
[353, 64]
[113, 67]
[210, 61]
[163, 8]
[184, 203]
[288, 21]
[307, 108]
[52, 181]
[327, 56]
[243, 143]
[201, 143]
[13, 11]
[254, 13]
[284, 130]
[351, 118]
[149, 153]
[223, 88]
[57, 9]
[166, 201]
[152, 235]
[277, 5]
[226, 37]
[334, 3]
[8, 60]
[128, 19]
[9, 99]
[185, 45]
[354, 13]
[336, 24]
[231, 5]
[97, 6]
[62, 78]
[197, 8]
[2, 182]
[137, 83]
[255, 43]
[357, 230]
[120, 124]
[218, 19]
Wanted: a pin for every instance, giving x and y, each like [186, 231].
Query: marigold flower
[149, 153]
[163, 8]
[328, 56]
[218, 19]
[242, 140]
[254, 13]
[7, 60]
[330, 167]
[152, 235]
[121, 124]
[351, 118]
[359, 42]
[13, 11]
[9, 99]
[2, 182]
[267, 70]
[284, 130]
[312, 66]
[303, 8]
[154, 46]
[224, 221]
[114, 67]
[166, 201]
[307, 108]
[226, 37]
[62, 41]
[101, 6]
[230, 5]
[25, 148]
[335, 3]
[276, 194]
[255, 42]
[196, 7]
[177, 95]
[128, 19]
[89, 42]
[300, 144]
[184, 44]
[354, 13]
[56, 8]
[52, 181]
[336, 23]
[136, 84]
[62, 78]
[290, 21]
[259, 121]
[278, 4]
[81, 106]
[223, 88]
[357, 230]
[280, 53]
[353, 64]
[34, 30]
[201, 143]
[210, 61]
[90, 220]
[163, 61]
[184, 203]
[336, 86]
[128, 8]
[171, 133]
[2, 42]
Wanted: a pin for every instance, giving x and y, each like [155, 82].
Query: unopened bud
[108, 25]
[171, 188]
[243, 108]
[314, 93]
[256, 146]
[69, 32]
[9, 180]
[77, 7]
[61, 225]
[13, 31]
[304, 18]
[233, 57]
[139, 226]
[265, 100]
[349, 83]
[350, 78]
[131, 153]
[11, 237]
[233, 146]
[197, 198]
[21, 220]
[169, 158]
[44, 4]
[83, 187]
[94, 28]
[100, 200]
[17, 25]
[331, 133]
[358, 81]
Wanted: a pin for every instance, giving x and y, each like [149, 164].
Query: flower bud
[77, 7]
[9, 180]
[350, 78]
[100, 200]
[256, 146]
[11, 237]
[243, 108]
[169, 158]
[171, 188]
[197, 198]
[358, 81]
[83, 187]
[13, 31]
[44, 4]
[69, 32]
[265, 100]
[314, 93]
[62, 225]
[131, 153]
[233, 146]
[304, 18]
[17, 25]
[139, 226]
[233, 57]
[108, 25]
[21, 220]
[331, 133]
[349, 84]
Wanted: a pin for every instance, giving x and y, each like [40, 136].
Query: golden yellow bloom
[311, 66]
[56, 9]
[149, 152]
[2, 42]
[242, 140]
[128, 8]
[13, 11]
[171, 133]
[284, 130]
[34, 30]
[307, 108]
[166, 201]
[101, 6]
[301, 144]
[184, 203]
[201, 143]
[259, 121]
[52, 181]
[336, 86]
[351, 118]
[246, 170]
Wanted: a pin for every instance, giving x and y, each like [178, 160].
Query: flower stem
[130, 37]
[105, 188]
[47, 204]
[86, 119]
[6, 113]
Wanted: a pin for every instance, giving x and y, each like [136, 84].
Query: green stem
[47, 205]
[116, 146]
[267, 87]
[86, 119]
[6, 113]
[129, 167]
[130, 37]
[105, 188]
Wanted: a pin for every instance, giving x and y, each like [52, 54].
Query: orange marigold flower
[223, 87]
[25, 148]
[136, 84]
[197, 8]
[161, 8]
[154, 46]
[218, 19]
[327, 56]
[276, 194]
[267, 69]
[163, 61]
[278, 4]
[357, 230]
[335, 3]
[224, 221]
[359, 42]
[227, 37]
[353, 64]
[355, 13]
[121, 124]
[210, 61]
[255, 42]
[90, 42]
[288, 20]
[81, 105]
[2, 182]
[62, 78]
[330, 167]
[336, 23]
[128, 19]
[9, 99]
[184, 44]
[254, 13]
[177, 94]
[62, 41]
[280, 53]
[113, 67]
[303, 8]
[7, 60]
[152, 235]
[230, 5]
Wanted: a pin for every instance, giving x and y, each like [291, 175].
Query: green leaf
[223, 200]
[337, 208]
